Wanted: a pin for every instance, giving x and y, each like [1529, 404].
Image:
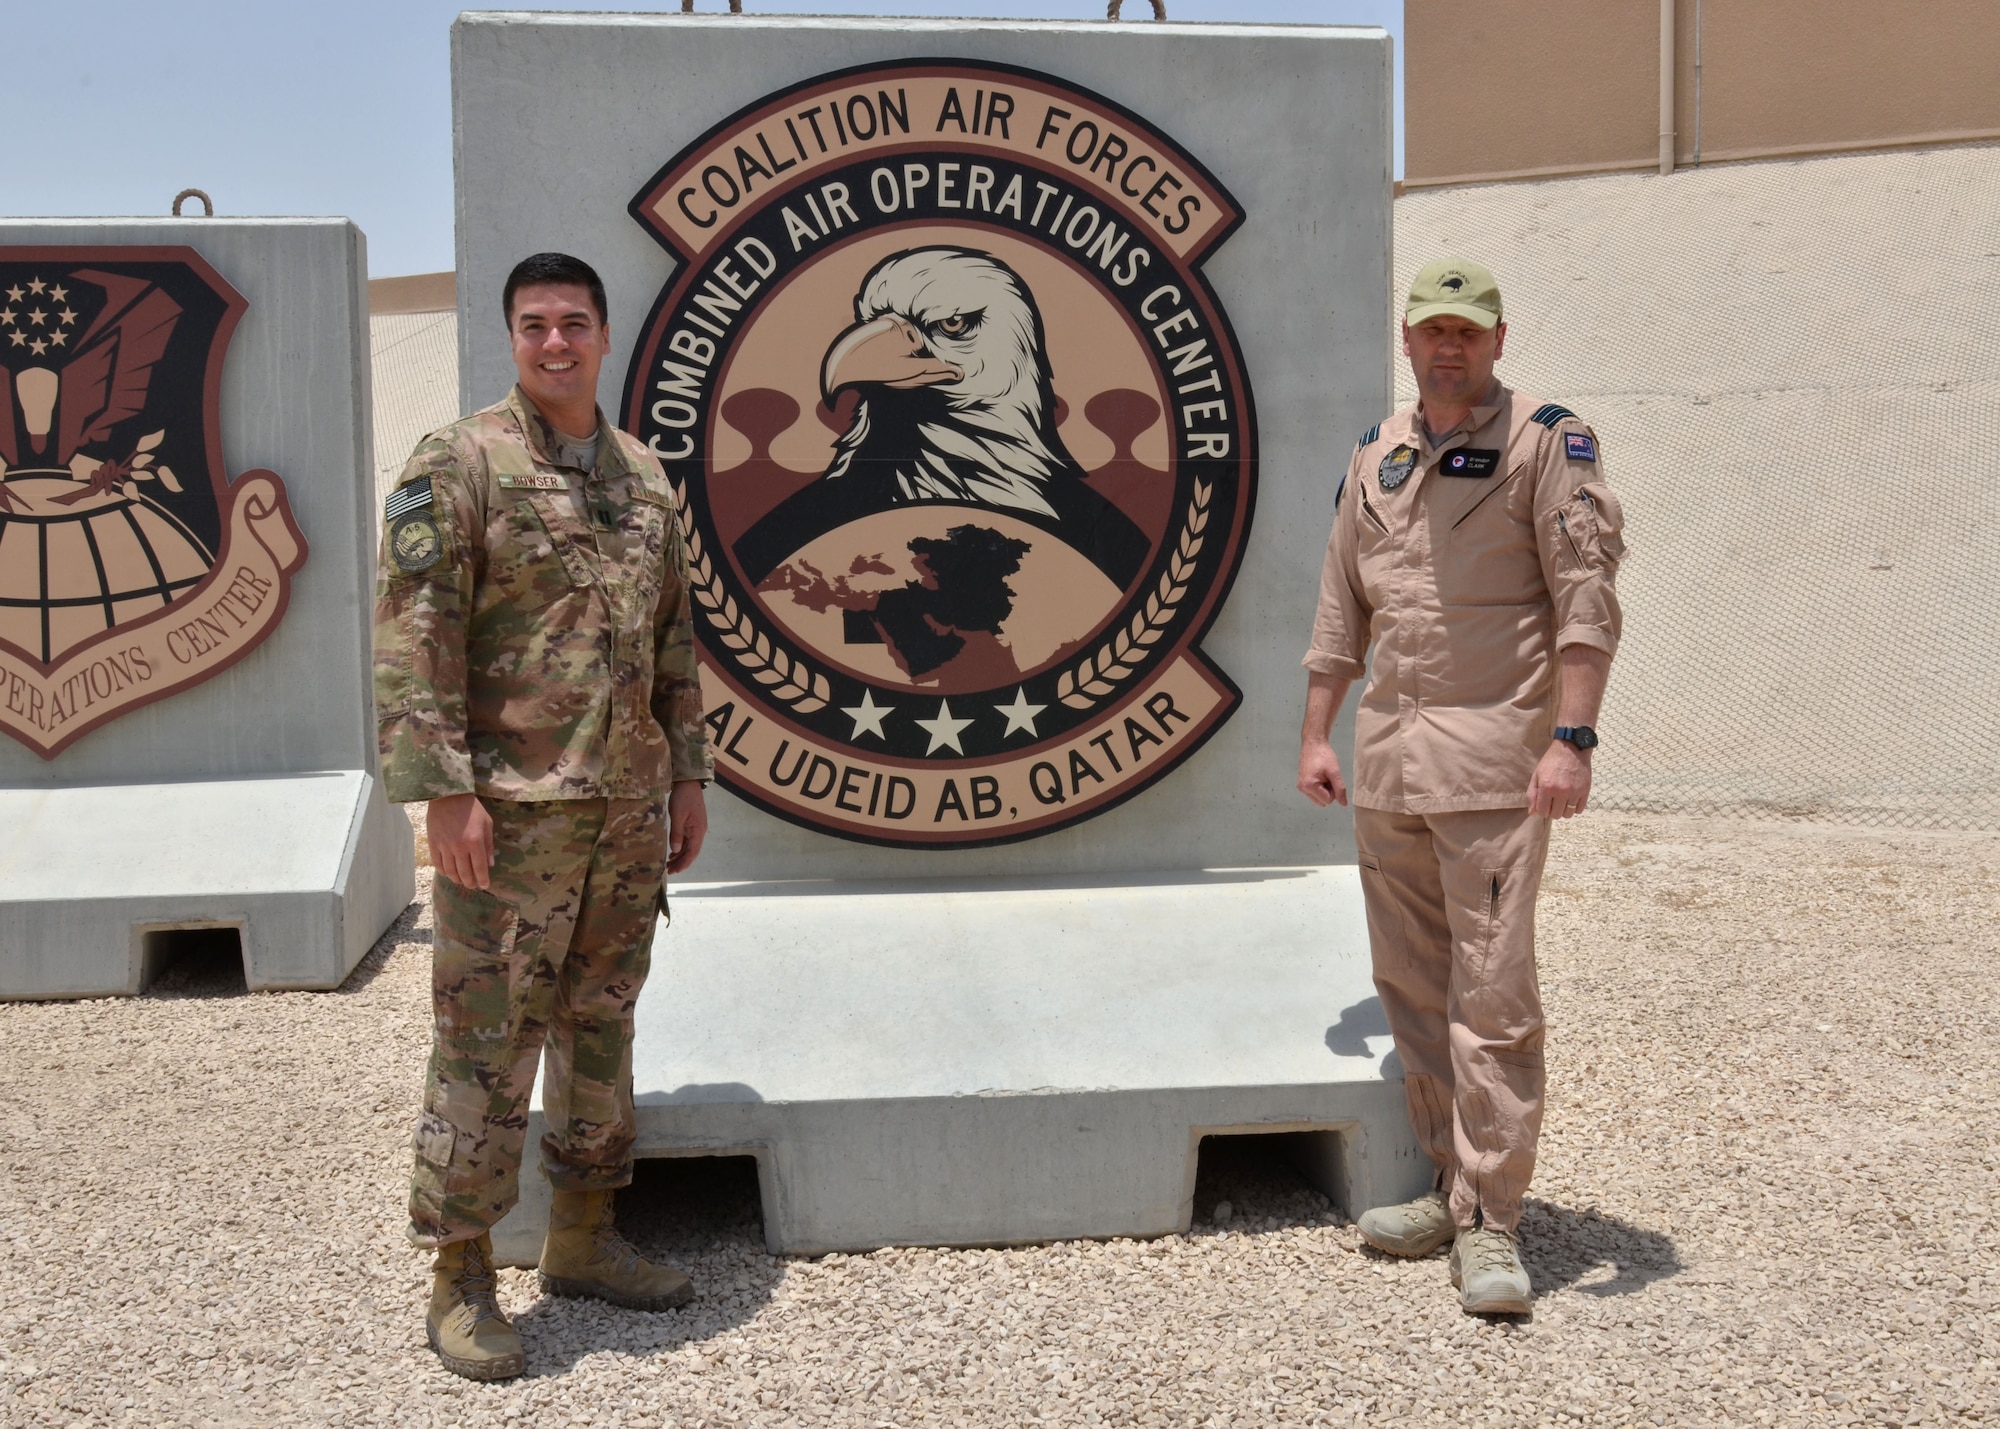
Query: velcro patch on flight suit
[1471, 461]
[409, 497]
[1396, 468]
[1578, 446]
[416, 541]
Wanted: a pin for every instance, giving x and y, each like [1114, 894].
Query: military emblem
[130, 568]
[964, 446]
[1396, 467]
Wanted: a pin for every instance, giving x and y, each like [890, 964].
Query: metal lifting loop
[1159, 9]
[207, 208]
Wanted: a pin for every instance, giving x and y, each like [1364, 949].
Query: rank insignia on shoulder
[1578, 446]
[530, 481]
[1396, 467]
[410, 496]
[415, 543]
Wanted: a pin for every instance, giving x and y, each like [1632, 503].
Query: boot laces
[1490, 1250]
[476, 1286]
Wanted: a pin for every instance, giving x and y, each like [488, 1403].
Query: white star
[59, 294]
[38, 318]
[58, 338]
[1020, 714]
[6, 315]
[38, 347]
[35, 285]
[868, 715]
[944, 729]
[14, 294]
[68, 317]
[20, 338]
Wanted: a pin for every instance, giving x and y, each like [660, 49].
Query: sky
[310, 107]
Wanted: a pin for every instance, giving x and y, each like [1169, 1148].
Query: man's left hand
[1561, 786]
[687, 825]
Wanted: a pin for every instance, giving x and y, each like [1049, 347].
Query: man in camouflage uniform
[535, 682]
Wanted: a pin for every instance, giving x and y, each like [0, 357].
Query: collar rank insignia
[1396, 467]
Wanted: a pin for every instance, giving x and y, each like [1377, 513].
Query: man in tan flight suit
[1474, 548]
[535, 682]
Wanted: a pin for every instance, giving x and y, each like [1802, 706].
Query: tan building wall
[1525, 88]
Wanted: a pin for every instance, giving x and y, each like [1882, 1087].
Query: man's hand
[1319, 774]
[1561, 786]
[687, 825]
[461, 838]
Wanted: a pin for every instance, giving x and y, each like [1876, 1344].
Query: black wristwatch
[1580, 736]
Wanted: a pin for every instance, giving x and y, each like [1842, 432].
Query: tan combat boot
[1415, 1228]
[466, 1327]
[1486, 1268]
[585, 1255]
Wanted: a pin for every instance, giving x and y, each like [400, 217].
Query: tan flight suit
[1466, 566]
[534, 645]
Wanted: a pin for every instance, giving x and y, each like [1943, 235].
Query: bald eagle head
[957, 399]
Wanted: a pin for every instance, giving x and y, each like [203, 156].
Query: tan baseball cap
[1455, 286]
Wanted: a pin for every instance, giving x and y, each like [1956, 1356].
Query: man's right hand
[461, 838]
[1319, 774]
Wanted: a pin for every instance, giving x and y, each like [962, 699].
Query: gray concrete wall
[1294, 121]
[295, 399]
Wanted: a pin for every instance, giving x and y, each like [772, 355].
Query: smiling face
[1452, 358]
[560, 341]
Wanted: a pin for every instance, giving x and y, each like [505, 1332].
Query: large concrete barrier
[186, 556]
[947, 335]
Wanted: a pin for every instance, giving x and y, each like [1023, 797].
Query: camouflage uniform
[537, 650]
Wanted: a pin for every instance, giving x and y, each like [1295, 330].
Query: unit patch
[1396, 467]
[531, 480]
[415, 543]
[1469, 461]
[1579, 447]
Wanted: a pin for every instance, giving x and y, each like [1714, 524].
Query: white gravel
[1768, 1196]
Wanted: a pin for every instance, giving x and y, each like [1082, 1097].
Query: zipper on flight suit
[1562, 525]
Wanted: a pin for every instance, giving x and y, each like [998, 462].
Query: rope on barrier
[207, 207]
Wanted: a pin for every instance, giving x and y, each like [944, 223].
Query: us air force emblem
[130, 567]
[1396, 467]
[963, 443]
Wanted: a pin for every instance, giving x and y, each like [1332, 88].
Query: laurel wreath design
[1101, 672]
[787, 679]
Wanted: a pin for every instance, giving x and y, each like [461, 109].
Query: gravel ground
[1768, 1195]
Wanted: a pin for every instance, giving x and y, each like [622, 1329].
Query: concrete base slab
[922, 1064]
[308, 868]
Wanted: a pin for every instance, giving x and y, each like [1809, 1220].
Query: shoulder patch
[1371, 434]
[412, 495]
[1549, 414]
[1578, 446]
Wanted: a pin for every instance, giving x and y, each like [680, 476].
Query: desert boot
[1414, 1228]
[1486, 1268]
[466, 1327]
[585, 1255]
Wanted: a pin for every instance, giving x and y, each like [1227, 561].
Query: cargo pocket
[1591, 525]
[435, 1141]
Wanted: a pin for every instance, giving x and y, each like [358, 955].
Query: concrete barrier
[243, 795]
[949, 1010]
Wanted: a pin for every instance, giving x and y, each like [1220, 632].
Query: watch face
[1584, 737]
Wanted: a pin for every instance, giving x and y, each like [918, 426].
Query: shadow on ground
[700, 1214]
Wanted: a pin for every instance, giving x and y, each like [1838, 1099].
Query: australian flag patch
[1579, 447]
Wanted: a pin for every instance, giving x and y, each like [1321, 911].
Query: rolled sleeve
[1579, 525]
[1341, 622]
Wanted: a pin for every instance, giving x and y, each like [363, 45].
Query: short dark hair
[540, 268]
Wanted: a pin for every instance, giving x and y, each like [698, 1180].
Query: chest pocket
[645, 524]
[530, 558]
[1486, 553]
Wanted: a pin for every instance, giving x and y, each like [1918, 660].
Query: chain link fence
[1794, 371]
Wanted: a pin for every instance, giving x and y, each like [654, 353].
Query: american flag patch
[410, 496]
[1579, 447]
